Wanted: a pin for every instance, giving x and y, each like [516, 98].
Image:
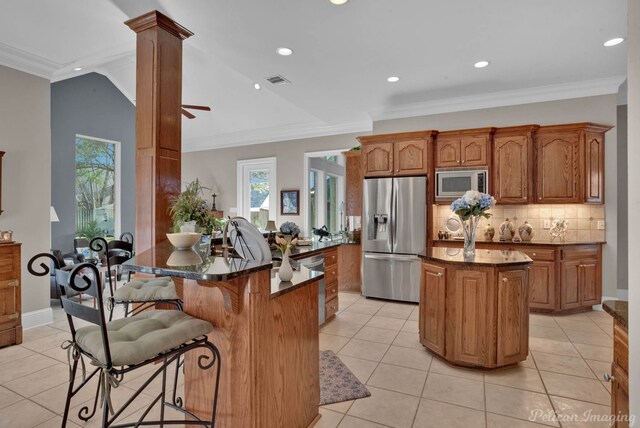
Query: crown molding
[586, 88]
[27, 62]
[270, 135]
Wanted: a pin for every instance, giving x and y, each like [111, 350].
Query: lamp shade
[271, 226]
[53, 215]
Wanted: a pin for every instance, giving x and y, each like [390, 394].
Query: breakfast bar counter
[475, 311]
[266, 331]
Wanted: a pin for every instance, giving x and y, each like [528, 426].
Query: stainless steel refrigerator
[395, 233]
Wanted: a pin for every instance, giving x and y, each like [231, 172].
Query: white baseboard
[37, 318]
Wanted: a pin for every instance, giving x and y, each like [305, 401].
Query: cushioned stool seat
[147, 290]
[141, 337]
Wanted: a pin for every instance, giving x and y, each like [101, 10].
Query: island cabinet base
[475, 316]
[269, 353]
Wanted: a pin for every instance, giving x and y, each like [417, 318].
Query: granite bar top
[483, 258]
[533, 242]
[301, 277]
[165, 260]
[619, 310]
[315, 247]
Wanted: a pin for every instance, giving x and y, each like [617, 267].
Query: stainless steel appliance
[394, 234]
[451, 184]
[316, 263]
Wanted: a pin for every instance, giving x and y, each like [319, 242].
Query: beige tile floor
[378, 341]
[409, 387]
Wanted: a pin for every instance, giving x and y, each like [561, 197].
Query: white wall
[25, 136]
[218, 167]
[633, 73]
[601, 109]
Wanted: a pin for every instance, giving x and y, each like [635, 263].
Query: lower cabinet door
[542, 279]
[589, 283]
[432, 308]
[619, 397]
[570, 285]
[513, 317]
[469, 310]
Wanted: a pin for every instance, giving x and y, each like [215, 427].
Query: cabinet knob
[504, 280]
[607, 377]
[439, 274]
[534, 254]
[540, 198]
[14, 283]
[463, 161]
[525, 198]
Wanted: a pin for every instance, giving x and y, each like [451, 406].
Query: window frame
[243, 201]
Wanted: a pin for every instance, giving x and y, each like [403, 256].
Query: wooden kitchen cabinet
[432, 318]
[511, 167]
[399, 154]
[581, 277]
[464, 148]
[378, 159]
[570, 163]
[353, 182]
[331, 282]
[513, 294]
[542, 278]
[619, 376]
[10, 298]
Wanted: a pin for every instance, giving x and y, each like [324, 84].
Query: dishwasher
[316, 264]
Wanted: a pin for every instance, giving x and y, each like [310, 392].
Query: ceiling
[539, 50]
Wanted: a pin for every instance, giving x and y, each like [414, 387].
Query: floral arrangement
[473, 204]
[290, 228]
[283, 243]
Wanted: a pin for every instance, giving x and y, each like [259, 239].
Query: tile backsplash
[582, 220]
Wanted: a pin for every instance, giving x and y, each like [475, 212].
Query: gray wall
[25, 136]
[88, 105]
[623, 203]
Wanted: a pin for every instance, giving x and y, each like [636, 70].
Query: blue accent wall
[88, 105]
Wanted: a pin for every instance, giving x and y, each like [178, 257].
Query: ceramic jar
[506, 230]
[526, 232]
[489, 232]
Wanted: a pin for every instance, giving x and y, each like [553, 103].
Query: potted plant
[189, 206]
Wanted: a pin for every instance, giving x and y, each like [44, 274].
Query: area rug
[337, 383]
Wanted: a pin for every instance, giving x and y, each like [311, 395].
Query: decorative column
[158, 123]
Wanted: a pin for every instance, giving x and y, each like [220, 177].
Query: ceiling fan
[190, 115]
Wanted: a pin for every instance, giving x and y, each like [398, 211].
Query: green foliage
[95, 173]
[355, 149]
[476, 211]
[90, 231]
[190, 206]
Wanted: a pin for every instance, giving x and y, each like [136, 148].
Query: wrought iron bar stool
[118, 347]
[145, 292]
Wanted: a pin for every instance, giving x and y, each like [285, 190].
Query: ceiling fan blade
[193, 107]
[187, 114]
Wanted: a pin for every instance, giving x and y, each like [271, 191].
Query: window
[257, 190]
[331, 199]
[324, 194]
[97, 187]
[313, 197]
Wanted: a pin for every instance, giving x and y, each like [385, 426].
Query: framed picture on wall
[290, 202]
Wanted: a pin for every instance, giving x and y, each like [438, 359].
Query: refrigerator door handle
[394, 215]
[394, 257]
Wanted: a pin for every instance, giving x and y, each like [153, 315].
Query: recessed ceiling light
[393, 79]
[338, 2]
[481, 64]
[77, 69]
[257, 86]
[284, 51]
[613, 42]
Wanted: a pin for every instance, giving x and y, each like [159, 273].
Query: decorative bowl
[184, 240]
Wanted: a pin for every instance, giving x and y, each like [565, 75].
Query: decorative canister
[526, 231]
[507, 230]
[489, 232]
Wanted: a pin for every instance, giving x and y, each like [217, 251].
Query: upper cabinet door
[473, 151]
[378, 159]
[448, 152]
[594, 168]
[511, 169]
[559, 169]
[410, 157]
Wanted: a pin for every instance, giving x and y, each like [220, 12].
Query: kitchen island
[475, 312]
[266, 331]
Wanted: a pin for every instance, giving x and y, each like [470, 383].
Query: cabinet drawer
[579, 253]
[330, 308]
[330, 258]
[621, 347]
[331, 291]
[331, 274]
[540, 254]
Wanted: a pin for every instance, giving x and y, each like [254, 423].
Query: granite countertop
[316, 246]
[165, 260]
[533, 242]
[487, 258]
[619, 310]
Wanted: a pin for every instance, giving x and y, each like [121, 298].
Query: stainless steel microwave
[451, 184]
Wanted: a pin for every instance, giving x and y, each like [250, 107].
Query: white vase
[285, 273]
